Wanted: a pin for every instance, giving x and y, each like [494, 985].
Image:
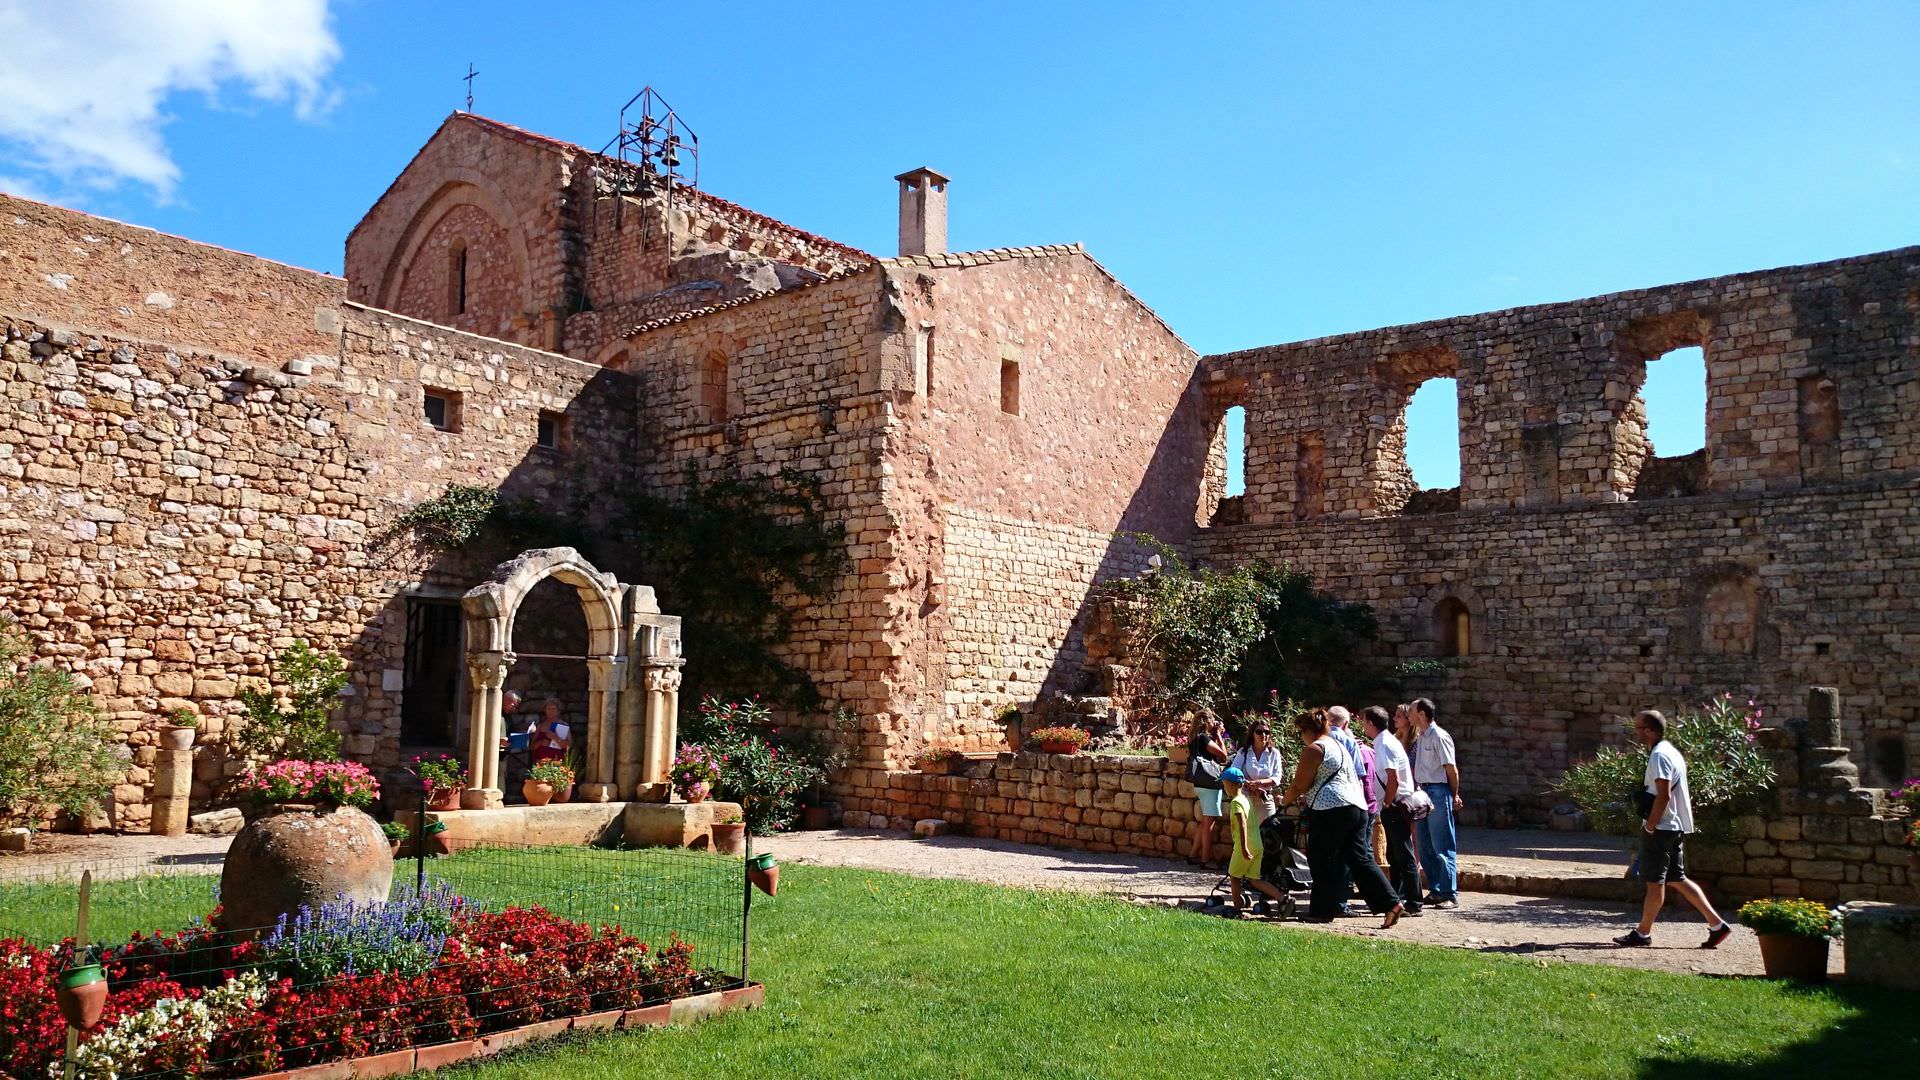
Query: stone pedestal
[172, 784]
[1824, 764]
[1883, 945]
[673, 824]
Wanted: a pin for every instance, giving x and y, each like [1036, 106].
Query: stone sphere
[302, 856]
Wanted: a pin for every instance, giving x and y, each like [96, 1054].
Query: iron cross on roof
[469, 81]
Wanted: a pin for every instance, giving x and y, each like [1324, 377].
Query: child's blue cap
[1232, 775]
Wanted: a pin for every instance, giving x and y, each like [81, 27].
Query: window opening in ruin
[1672, 401]
[1234, 427]
[1433, 434]
[550, 432]
[430, 692]
[1010, 387]
[1453, 625]
[714, 375]
[442, 409]
[457, 279]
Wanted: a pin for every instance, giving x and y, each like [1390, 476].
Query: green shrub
[759, 769]
[56, 752]
[1727, 774]
[1801, 918]
[313, 680]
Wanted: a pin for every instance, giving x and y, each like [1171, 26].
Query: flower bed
[335, 984]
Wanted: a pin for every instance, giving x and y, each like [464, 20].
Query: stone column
[488, 671]
[172, 784]
[661, 729]
[604, 677]
[1824, 761]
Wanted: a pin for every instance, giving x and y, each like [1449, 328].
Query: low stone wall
[1138, 805]
[1828, 848]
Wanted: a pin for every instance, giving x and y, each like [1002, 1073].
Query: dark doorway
[430, 700]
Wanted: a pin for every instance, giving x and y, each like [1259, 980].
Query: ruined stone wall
[172, 515]
[1783, 570]
[1810, 379]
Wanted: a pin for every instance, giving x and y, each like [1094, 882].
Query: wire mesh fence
[486, 938]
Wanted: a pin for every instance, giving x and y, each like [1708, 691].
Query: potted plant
[564, 792]
[730, 833]
[396, 835]
[939, 761]
[434, 837]
[178, 734]
[544, 779]
[695, 770]
[1793, 936]
[1905, 799]
[82, 989]
[1059, 740]
[441, 777]
[1015, 722]
[764, 871]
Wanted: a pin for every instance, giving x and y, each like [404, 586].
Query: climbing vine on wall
[735, 557]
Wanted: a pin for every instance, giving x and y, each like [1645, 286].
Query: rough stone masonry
[204, 455]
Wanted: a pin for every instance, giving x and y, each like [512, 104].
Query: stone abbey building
[203, 455]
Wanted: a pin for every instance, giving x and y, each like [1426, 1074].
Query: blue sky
[1261, 173]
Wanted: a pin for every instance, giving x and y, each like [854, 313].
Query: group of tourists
[1403, 785]
[1404, 781]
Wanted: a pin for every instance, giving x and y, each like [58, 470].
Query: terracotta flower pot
[298, 856]
[730, 837]
[764, 871]
[694, 796]
[1791, 956]
[538, 792]
[442, 800]
[394, 842]
[1058, 748]
[178, 738]
[82, 995]
[563, 794]
[435, 838]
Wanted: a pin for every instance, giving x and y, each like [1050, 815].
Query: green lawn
[872, 974]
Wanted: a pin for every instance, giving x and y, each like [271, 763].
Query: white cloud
[84, 83]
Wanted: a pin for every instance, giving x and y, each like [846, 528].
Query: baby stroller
[1283, 864]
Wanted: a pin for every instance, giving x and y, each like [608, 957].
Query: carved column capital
[662, 680]
[489, 669]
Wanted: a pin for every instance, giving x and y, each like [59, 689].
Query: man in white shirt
[1438, 774]
[1392, 783]
[1663, 837]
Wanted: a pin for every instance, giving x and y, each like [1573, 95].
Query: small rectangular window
[442, 409]
[1010, 387]
[550, 432]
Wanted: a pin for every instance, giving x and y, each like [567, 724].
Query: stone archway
[630, 744]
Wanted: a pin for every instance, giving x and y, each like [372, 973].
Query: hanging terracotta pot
[435, 837]
[82, 995]
[764, 871]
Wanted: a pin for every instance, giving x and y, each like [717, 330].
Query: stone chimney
[923, 212]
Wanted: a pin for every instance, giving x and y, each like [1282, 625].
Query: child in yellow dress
[1244, 867]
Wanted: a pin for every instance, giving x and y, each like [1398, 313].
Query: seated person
[550, 737]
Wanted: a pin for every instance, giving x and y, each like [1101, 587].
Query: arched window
[1453, 627]
[457, 278]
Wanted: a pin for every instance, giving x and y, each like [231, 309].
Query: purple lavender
[404, 936]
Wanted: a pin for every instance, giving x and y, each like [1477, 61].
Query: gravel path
[1548, 929]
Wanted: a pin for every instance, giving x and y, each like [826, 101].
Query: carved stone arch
[630, 737]
[463, 187]
[1439, 620]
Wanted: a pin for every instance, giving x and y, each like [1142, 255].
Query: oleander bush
[56, 751]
